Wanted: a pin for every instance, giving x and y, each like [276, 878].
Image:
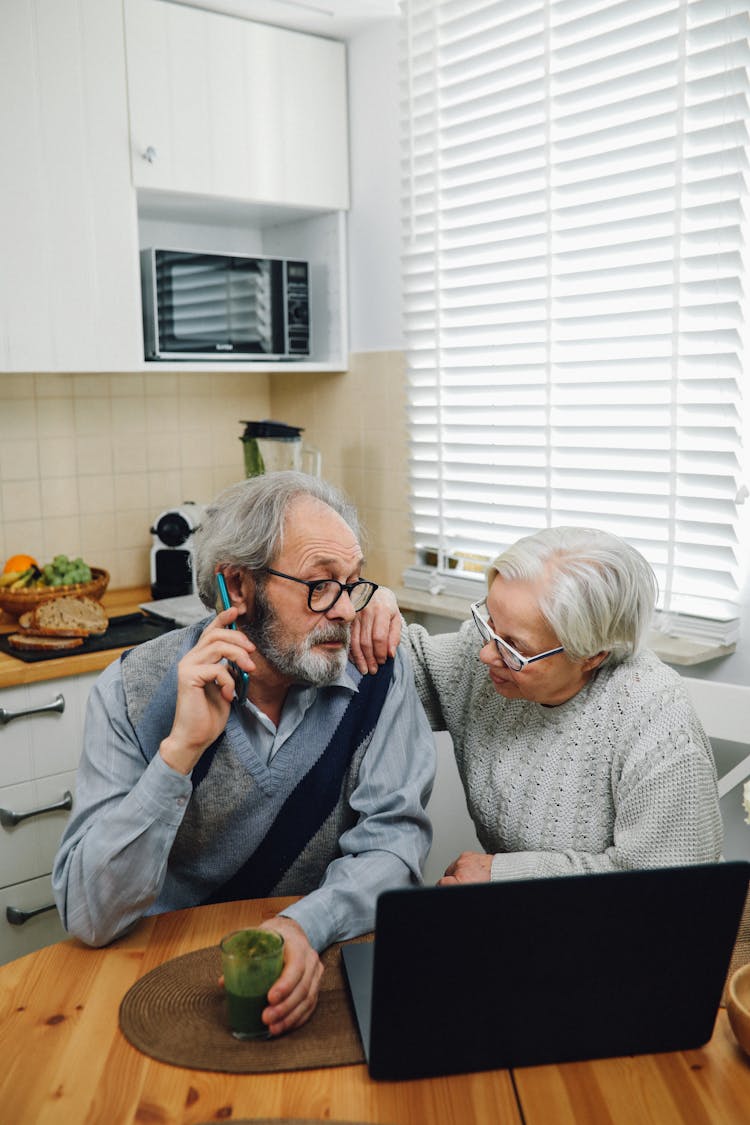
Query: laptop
[523, 973]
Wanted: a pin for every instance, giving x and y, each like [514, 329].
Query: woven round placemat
[176, 1014]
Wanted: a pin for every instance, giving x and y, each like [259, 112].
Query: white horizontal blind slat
[574, 190]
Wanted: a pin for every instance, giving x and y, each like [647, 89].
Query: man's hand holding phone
[205, 690]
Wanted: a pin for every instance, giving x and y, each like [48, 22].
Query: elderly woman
[579, 751]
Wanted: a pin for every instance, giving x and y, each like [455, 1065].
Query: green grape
[64, 571]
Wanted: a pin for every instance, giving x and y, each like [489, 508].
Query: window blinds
[573, 266]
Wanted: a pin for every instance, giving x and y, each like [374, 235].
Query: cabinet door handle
[57, 704]
[9, 819]
[18, 917]
[149, 154]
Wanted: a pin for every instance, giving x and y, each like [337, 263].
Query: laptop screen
[550, 970]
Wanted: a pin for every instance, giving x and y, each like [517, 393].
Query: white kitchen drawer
[38, 931]
[28, 848]
[48, 742]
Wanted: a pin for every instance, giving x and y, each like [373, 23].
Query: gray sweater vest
[252, 830]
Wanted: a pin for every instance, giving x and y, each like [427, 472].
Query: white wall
[374, 219]
[734, 669]
[453, 830]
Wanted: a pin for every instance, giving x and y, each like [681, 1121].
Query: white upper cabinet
[69, 289]
[227, 108]
[112, 110]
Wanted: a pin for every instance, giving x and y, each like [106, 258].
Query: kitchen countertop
[14, 672]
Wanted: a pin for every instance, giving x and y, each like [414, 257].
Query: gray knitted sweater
[620, 776]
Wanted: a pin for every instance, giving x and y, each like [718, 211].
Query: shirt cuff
[321, 931]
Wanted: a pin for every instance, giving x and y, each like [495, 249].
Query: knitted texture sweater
[620, 776]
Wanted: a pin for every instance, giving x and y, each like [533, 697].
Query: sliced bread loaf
[66, 617]
[31, 643]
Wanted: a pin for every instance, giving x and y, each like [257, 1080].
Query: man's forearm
[112, 862]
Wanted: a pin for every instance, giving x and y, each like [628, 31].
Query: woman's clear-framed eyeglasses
[507, 653]
[322, 594]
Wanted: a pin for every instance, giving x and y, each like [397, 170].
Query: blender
[269, 447]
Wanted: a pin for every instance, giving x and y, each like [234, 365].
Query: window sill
[678, 650]
[672, 650]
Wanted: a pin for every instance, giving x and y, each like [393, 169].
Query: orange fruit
[19, 563]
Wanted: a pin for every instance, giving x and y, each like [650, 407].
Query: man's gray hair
[244, 525]
[600, 591]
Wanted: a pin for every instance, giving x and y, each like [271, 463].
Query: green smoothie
[251, 961]
[254, 464]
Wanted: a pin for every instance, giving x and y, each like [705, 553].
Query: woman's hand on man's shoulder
[376, 631]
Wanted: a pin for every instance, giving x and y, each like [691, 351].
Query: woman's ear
[591, 663]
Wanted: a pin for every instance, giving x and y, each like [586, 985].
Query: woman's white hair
[244, 525]
[599, 591]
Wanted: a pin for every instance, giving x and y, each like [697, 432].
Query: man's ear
[240, 587]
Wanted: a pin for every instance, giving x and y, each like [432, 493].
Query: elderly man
[316, 785]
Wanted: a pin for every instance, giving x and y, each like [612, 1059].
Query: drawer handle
[57, 704]
[18, 917]
[9, 819]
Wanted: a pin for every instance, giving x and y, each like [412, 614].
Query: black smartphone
[241, 679]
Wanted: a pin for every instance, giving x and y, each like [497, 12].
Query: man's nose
[342, 609]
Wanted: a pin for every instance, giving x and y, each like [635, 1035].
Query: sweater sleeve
[440, 665]
[666, 814]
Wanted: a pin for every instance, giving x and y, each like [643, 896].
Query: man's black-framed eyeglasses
[323, 593]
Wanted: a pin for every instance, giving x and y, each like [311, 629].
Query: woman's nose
[488, 653]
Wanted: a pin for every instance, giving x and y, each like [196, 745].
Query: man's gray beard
[298, 662]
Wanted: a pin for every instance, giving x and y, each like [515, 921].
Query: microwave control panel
[297, 308]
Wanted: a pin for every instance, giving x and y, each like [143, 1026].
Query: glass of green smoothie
[251, 961]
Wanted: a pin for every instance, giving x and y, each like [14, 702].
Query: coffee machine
[172, 572]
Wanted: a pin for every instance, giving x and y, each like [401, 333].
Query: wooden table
[64, 1059]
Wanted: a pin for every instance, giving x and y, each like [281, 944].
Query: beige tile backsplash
[87, 462]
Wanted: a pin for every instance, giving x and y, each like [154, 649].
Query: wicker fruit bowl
[16, 602]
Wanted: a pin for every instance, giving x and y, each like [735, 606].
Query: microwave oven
[224, 306]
